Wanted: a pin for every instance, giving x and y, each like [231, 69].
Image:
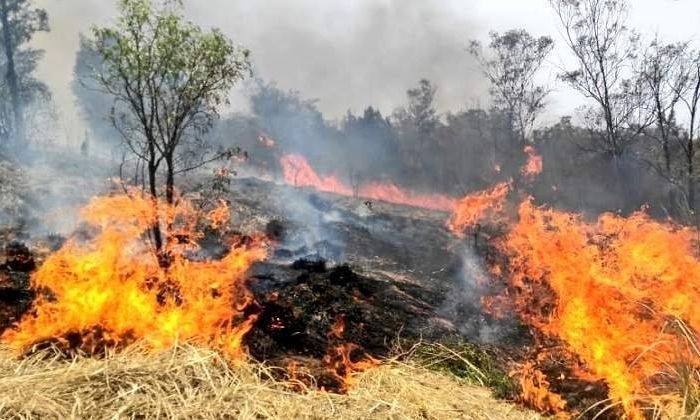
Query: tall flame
[114, 282]
[625, 289]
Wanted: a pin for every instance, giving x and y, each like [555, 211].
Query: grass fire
[305, 210]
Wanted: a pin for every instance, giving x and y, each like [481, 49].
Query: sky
[351, 54]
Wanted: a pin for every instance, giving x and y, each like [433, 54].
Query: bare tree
[512, 65]
[665, 75]
[606, 53]
[690, 98]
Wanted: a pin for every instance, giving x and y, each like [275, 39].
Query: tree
[511, 67]
[605, 50]
[417, 125]
[371, 144]
[664, 74]
[20, 21]
[690, 98]
[168, 77]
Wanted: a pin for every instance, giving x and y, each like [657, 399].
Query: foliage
[20, 88]
[606, 53]
[516, 58]
[468, 362]
[168, 78]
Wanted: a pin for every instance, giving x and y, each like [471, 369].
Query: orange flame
[621, 288]
[114, 283]
[299, 173]
[535, 390]
[220, 216]
[533, 166]
[345, 361]
[477, 206]
[338, 327]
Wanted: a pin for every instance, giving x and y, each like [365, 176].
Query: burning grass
[189, 382]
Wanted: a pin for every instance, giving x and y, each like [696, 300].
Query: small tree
[20, 21]
[511, 67]
[168, 79]
[665, 75]
[416, 126]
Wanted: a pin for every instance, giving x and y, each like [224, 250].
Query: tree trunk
[691, 178]
[170, 181]
[11, 76]
[155, 230]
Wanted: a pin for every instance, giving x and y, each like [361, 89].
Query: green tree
[20, 21]
[168, 78]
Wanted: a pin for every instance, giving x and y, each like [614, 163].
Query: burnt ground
[382, 272]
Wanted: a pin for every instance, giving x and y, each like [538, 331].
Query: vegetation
[468, 362]
[186, 382]
[168, 79]
[20, 21]
[512, 71]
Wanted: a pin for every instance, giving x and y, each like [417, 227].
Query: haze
[349, 55]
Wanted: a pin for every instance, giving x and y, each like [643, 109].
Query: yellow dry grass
[188, 382]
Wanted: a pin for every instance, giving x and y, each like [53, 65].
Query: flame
[112, 288]
[477, 206]
[347, 359]
[621, 292]
[344, 363]
[390, 193]
[299, 173]
[535, 390]
[338, 327]
[533, 166]
[220, 216]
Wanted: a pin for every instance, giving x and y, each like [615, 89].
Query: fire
[220, 216]
[338, 327]
[111, 287]
[346, 360]
[299, 173]
[477, 206]
[390, 193]
[533, 166]
[535, 390]
[621, 292]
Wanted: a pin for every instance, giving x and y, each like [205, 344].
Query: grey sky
[350, 54]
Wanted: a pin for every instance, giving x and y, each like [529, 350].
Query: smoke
[463, 304]
[346, 54]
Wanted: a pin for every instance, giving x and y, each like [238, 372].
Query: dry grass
[187, 382]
